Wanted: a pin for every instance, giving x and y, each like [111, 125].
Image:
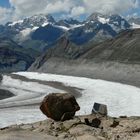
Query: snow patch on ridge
[103, 20]
[62, 27]
[69, 28]
[45, 24]
[15, 22]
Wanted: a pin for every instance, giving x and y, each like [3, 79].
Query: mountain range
[40, 35]
[43, 30]
[124, 48]
[116, 59]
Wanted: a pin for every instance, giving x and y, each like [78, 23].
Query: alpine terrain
[72, 65]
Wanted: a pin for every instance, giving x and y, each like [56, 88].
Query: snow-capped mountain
[117, 22]
[90, 30]
[24, 28]
[31, 22]
[39, 31]
[20, 31]
[98, 27]
[49, 33]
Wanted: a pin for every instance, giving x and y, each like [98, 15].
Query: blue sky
[11, 10]
[4, 3]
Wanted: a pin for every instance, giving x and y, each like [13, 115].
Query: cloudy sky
[17, 9]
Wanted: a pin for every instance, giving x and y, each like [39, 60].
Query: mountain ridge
[39, 33]
[23, 31]
[115, 59]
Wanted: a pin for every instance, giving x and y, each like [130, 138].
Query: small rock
[99, 109]
[123, 117]
[96, 123]
[87, 122]
[115, 123]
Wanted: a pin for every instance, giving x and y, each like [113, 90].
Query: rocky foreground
[98, 128]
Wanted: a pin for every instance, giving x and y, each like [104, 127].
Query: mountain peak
[95, 16]
[33, 21]
[116, 21]
[42, 17]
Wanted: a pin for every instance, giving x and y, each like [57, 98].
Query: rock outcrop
[99, 109]
[14, 57]
[1, 77]
[76, 129]
[5, 94]
[59, 107]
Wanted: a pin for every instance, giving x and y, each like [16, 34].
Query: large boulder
[59, 106]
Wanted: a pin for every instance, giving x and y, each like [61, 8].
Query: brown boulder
[59, 106]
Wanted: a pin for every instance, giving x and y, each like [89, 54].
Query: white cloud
[27, 7]
[76, 11]
[59, 6]
[24, 8]
[4, 15]
[75, 7]
[32, 7]
[110, 6]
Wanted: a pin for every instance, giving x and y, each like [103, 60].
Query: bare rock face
[59, 107]
[5, 94]
[1, 77]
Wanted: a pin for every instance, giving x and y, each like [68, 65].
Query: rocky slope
[14, 57]
[76, 129]
[40, 32]
[96, 61]
[124, 48]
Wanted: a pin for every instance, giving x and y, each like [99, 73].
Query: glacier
[121, 99]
